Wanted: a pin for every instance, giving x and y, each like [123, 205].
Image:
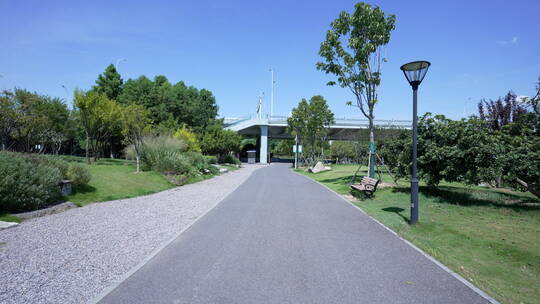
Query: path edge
[100, 296]
[480, 292]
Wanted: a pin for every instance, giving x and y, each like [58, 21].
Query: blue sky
[478, 49]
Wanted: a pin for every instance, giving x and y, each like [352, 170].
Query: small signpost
[296, 149]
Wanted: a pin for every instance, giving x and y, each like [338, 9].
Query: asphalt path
[282, 238]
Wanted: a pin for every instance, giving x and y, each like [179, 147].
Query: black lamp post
[415, 72]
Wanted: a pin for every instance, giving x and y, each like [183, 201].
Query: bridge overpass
[276, 127]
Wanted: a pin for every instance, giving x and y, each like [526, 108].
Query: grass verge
[490, 237]
[116, 179]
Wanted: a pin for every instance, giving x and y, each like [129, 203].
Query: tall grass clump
[163, 154]
[170, 156]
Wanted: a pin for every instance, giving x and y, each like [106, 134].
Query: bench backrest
[369, 181]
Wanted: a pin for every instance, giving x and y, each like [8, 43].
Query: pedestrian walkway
[282, 238]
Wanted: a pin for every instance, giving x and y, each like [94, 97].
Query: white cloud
[514, 40]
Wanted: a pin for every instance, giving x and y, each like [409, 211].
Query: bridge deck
[343, 128]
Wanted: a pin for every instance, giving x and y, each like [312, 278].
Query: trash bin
[251, 155]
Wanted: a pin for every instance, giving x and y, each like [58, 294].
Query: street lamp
[415, 72]
[118, 62]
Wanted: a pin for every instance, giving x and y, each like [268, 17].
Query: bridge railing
[352, 122]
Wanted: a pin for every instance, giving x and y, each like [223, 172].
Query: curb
[135, 268]
[6, 225]
[432, 259]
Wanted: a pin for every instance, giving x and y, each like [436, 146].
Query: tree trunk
[137, 157]
[86, 148]
[111, 146]
[532, 190]
[371, 168]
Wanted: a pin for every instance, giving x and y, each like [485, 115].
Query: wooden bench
[368, 185]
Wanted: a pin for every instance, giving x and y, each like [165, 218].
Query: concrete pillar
[264, 145]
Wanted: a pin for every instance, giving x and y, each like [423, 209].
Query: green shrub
[47, 160]
[78, 174]
[189, 137]
[167, 162]
[58, 163]
[202, 163]
[228, 159]
[197, 160]
[211, 169]
[211, 159]
[25, 185]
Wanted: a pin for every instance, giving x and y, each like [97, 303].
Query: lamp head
[415, 72]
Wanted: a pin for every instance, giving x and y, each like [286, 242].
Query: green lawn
[116, 179]
[491, 238]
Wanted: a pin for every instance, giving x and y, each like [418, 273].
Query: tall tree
[353, 51]
[310, 122]
[97, 113]
[31, 121]
[534, 101]
[135, 119]
[109, 83]
[8, 117]
[501, 112]
[168, 103]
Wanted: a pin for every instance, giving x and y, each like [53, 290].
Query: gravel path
[72, 256]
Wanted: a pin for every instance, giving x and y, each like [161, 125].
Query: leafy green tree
[138, 91]
[310, 122]
[109, 83]
[32, 122]
[297, 122]
[218, 141]
[97, 113]
[522, 162]
[346, 151]
[534, 102]
[57, 114]
[135, 120]
[167, 102]
[521, 156]
[501, 112]
[8, 117]
[353, 52]
[283, 147]
[204, 109]
[471, 151]
[454, 151]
